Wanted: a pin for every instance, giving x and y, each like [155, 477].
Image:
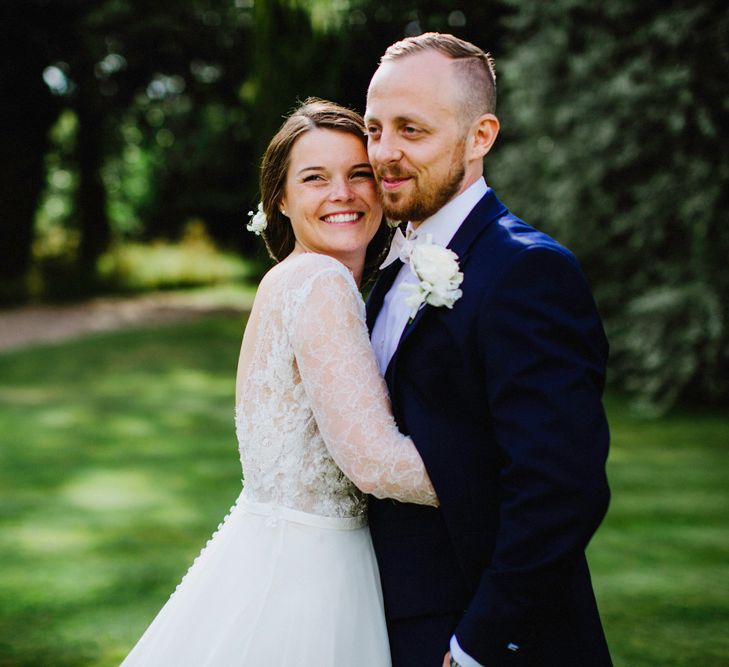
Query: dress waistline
[276, 512]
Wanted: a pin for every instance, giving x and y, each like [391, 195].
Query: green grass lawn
[118, 460]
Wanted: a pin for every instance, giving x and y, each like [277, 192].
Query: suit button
[511, 646]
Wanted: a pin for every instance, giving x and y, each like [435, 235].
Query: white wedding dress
[290, 576]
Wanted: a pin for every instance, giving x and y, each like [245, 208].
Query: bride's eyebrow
[362, 165]
[301, 171]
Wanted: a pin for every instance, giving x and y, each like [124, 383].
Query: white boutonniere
[438, 274]
[258, 222]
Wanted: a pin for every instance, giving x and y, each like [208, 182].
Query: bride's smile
[346, 218]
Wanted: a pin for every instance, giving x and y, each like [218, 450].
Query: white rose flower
[444, 295]
[433, 263]
[414, 297]
[258, 222]
[438, 274]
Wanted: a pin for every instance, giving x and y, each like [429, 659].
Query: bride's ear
[282, 208]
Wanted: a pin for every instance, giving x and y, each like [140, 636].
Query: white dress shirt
[460, 656]
[442, 226]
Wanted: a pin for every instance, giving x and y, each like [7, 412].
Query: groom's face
[416, 139]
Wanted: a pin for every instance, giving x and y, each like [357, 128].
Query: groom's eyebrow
[406, 120]
[398, 121]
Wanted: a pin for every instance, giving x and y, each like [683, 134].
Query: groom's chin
[393, 206]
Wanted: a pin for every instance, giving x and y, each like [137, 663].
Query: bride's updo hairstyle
[312, 114]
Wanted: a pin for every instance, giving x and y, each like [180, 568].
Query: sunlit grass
[118, 460]
[660, 561]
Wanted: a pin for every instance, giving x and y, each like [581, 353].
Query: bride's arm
[349, 397]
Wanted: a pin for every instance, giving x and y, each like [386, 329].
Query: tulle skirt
[274, 586]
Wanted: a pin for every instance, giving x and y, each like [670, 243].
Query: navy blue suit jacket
[502, 397]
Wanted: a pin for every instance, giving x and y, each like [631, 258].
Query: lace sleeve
[349, 397]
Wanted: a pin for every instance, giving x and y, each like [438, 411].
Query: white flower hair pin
[258, 221]
[438, 274]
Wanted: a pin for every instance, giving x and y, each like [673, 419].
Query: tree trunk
[27, 112]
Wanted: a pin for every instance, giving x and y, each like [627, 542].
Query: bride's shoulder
[313, 262]
[320, 282]
[304, 268]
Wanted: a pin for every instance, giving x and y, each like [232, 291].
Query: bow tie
[400, 248]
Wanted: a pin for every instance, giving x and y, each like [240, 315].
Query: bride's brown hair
[312, 114]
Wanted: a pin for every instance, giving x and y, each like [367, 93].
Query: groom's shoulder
[509, 236]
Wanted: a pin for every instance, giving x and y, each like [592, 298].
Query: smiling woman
[320, 154]
[290, 577]
[330, 197]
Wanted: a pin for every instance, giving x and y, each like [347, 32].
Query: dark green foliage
[370, 27]
[616, 140]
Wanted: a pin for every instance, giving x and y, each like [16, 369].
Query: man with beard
[495, 366]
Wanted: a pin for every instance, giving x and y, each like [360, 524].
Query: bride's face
[330, 194]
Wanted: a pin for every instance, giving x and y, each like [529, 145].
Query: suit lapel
[488, 209]
[379, 290]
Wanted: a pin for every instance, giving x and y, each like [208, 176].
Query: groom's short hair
[476, 67]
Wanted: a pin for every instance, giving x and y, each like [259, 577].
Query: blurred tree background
[128, 125]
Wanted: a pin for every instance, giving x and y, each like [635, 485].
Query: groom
[500, 390]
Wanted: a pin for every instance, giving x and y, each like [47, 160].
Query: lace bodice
[312, 404]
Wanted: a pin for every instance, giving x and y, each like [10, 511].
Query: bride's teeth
[342, 217]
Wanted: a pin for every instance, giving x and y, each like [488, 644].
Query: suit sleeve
[543, 352]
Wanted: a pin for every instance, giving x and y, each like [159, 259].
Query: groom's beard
[425, 198]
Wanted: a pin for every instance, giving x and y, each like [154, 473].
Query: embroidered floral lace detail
[311, 394]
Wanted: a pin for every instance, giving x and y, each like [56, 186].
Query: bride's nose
[341, 190]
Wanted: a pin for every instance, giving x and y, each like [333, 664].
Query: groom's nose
[386, 149]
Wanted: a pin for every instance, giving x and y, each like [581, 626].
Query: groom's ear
[482, 136]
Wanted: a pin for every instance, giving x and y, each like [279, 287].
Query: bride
[290, 577]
